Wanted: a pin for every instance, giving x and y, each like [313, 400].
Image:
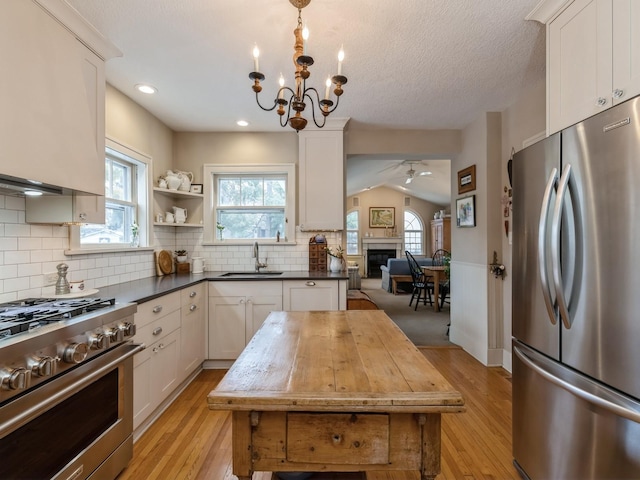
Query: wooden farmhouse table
[342, 391]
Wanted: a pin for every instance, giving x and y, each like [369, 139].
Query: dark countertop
[145, 289]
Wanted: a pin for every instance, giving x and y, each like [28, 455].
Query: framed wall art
[467, 179]
[196, 188]
[381, 217]
[466, 211]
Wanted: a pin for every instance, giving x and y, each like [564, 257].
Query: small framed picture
[467, 179]
[466, 211]
[196, 188]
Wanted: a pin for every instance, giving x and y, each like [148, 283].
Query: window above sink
[249, 202]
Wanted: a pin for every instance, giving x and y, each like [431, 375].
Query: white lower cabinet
[173, 329]
[193, 341]
[309, 295]
[236, 312]
[155, 369]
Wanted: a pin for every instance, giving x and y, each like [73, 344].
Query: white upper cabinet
[52, 96]
[593, 59]
[322, 177]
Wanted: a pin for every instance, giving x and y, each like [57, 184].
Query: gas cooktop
[29, 314]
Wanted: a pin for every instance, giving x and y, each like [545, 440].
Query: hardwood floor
[191, 442]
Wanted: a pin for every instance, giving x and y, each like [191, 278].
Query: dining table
[439, 275]
[335, 391]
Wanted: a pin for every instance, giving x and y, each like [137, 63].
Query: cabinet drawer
[157, 308]
[338, 438]
[158, 329]
[193, 294]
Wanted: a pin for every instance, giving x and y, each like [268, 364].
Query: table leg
[241, 444]
[436, 291]
[430, 445]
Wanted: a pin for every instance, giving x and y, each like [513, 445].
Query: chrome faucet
[256, 255]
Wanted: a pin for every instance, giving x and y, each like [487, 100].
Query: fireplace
[372, 249]
[377, 258]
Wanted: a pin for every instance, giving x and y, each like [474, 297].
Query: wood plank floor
[191, 442]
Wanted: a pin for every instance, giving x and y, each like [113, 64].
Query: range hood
[15, 186]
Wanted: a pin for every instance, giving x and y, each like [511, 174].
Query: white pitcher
[173, 180]
[168, 217]
[180, 214]
[185, 180]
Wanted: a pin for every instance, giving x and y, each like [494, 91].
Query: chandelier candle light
[302, 62]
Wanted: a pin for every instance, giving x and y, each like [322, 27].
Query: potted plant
[181, 256]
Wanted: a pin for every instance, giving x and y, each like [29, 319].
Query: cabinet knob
[241, 300]
[157, 331]
[617, 93]
[193, 308]
[601, 102]
[157, 309]
[192, 294]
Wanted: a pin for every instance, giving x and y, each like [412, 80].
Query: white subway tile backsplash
[29, 251]
[17, 257]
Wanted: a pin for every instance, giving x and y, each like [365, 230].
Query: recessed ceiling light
[32, 193]
[242, 123]
[148, 89]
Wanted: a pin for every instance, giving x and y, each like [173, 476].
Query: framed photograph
[467, 179]
[196, 188]
[381, 217]
[466, 211]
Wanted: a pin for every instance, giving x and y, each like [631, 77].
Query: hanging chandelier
[300, 92]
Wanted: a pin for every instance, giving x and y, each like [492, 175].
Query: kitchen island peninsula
[341, 391]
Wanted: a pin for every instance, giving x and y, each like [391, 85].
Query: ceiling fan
[411, 174]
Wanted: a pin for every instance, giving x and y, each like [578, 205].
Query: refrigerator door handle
[542, 245]
[555, 246]
[611, 405]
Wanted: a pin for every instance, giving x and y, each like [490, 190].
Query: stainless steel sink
[251, 274]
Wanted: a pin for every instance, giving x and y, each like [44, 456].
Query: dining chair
[421, 286]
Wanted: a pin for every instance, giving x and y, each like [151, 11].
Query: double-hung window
[249, 202]
[251, 206]
[125, 201]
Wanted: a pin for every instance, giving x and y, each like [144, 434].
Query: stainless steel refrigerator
[576, 301]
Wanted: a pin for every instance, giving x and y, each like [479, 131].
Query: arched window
[413, 233]
[352, 233]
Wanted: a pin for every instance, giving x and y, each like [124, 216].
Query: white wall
[521, 121]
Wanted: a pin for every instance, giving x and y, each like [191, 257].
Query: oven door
[76, 424]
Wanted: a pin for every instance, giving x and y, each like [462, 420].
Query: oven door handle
[32, 412]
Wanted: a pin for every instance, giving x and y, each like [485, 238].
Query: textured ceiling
[411, 64]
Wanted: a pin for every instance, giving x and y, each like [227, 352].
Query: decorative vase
[135, 241]
[181, 258]
[335, 264]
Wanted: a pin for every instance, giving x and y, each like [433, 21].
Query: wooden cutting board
[164, 262]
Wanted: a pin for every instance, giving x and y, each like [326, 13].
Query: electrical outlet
[50, 279]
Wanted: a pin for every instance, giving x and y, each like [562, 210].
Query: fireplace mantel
[381, 243]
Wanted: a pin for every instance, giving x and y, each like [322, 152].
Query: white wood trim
[531, 140]
[546, 10]
[83, 30]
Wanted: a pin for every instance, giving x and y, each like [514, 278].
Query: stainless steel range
[66, 388]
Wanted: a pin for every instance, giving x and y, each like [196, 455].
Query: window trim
[347, 230]
[423, 230]
[209, 191]
[119, 150]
